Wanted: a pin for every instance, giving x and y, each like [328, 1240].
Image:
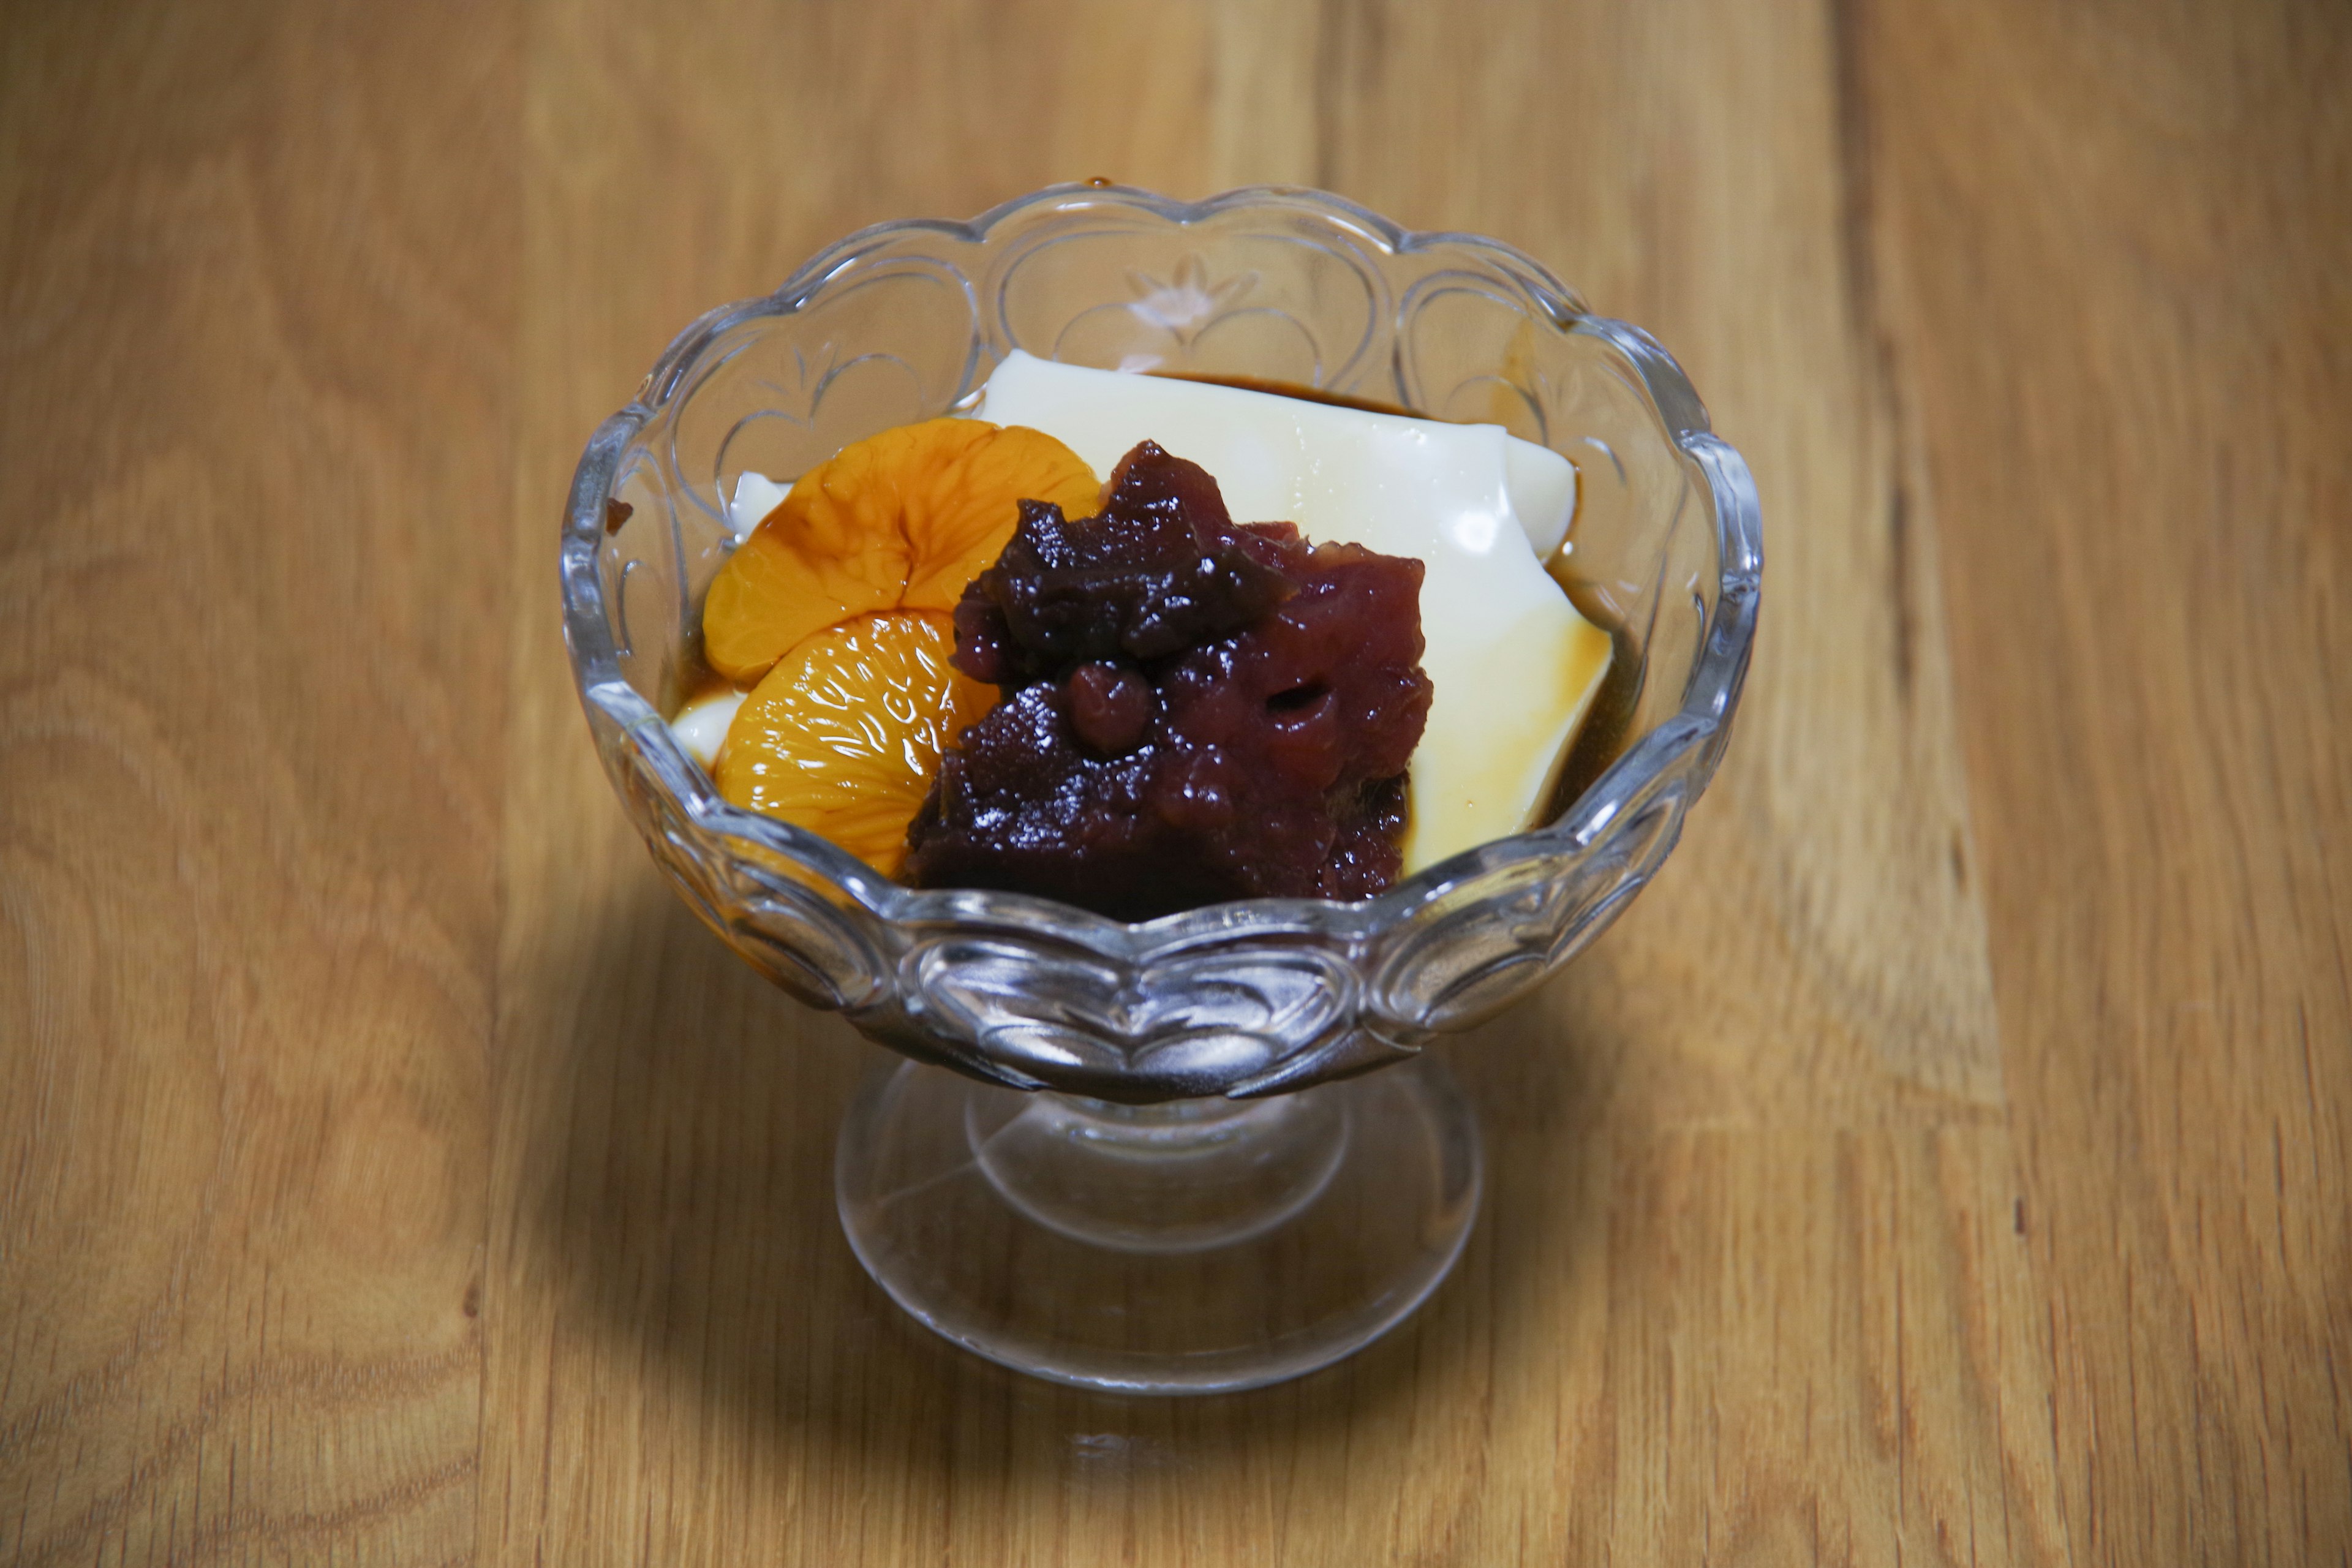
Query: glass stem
[1175, 1177]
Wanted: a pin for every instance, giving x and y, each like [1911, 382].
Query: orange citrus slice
[843, 735]
[901, 521]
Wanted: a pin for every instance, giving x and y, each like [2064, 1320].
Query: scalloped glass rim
[1687, 745]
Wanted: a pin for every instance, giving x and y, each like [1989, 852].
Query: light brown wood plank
[255, 297]
[1945, 1162]
[2119, 237]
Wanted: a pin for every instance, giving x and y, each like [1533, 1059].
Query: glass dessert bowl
[1158, 1164]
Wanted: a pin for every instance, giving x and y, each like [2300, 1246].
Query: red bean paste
[1192, 709]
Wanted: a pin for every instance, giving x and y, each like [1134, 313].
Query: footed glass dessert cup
[1162, 1160]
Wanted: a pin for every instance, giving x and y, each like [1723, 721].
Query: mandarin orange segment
[843, 735]
[901, 521]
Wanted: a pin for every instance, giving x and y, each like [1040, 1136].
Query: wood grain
[1943, 1163]
[2140, 443]
[259, 327]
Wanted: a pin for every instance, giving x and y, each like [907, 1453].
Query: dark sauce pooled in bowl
[1194, 709]
[1292, 389]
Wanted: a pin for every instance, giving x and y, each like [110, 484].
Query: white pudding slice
[1512, 667]
[701, 725]
[756, 495]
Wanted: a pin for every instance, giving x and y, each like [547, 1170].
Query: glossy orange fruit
[843, 736]
[901, 521]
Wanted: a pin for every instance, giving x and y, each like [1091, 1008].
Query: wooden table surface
[1943, 1163]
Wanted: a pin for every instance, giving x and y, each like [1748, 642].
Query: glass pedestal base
[1193, 1247]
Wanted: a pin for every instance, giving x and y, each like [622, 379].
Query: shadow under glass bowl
[1245, 1000]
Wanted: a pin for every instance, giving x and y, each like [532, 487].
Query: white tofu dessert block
[756, 495]
[701, 725]
[1512, 667]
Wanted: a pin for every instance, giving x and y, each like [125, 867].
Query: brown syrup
[1293, 389]
[691, 679]
[1607, 727]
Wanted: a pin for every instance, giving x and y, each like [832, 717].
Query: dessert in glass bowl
[1166, 1164]
[1194, 707]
